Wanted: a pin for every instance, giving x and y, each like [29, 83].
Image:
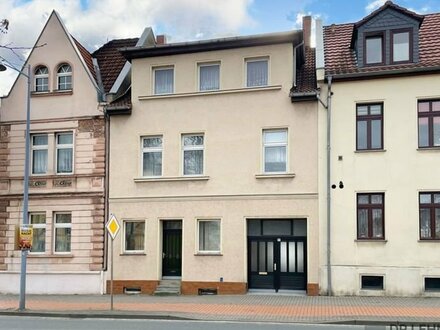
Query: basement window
[432, 283]
[372, 282]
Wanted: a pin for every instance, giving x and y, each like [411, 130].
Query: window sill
[371, 240]
[173, 178]
[429, 240]
[133, 254]
[369, 150]
[54, 93]
[213, 254]
[429, 149]
[214, 92]
[42, 255]
[275, 176]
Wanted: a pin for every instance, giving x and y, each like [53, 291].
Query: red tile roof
[111, 61]
[341, 59]
[86, 56]
[306, 75]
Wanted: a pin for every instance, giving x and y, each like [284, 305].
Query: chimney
[307, 30]
[161, 39]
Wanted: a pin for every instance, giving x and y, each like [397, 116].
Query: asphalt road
[44, 323]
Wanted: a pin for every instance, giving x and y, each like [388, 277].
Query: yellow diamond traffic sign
[113, 226]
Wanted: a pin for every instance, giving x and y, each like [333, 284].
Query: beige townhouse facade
[385, 138]
[66, 198]
[213, 167]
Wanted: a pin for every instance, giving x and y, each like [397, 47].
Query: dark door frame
[165, 237]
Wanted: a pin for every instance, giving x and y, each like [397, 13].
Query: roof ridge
[113, 40]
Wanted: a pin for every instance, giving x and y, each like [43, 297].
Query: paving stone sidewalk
[271, 308]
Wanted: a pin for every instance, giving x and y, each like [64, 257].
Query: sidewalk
[270, 308]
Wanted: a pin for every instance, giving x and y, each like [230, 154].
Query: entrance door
[277, 263]
[172, 248]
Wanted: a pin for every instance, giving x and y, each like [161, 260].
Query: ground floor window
[429, 208]
[38, 222]
[370, 216]
[62, 232]
[209, 235]
[134, 236]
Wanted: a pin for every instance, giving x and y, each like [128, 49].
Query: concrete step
[168, 288]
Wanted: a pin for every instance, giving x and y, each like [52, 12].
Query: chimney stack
[307, 30]
[161, 39]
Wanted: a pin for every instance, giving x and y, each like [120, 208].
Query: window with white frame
[134, 234]
[39, 153]
[163, 80]
[152, 156]
[64, 152]
[209, 236]
[193, 149]
[257, 72]
[62, 232]
[209, 76]
[64, 77]
[41, 75]
[38, 222]
[275, 150]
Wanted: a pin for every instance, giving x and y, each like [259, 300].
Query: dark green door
[277, 263]
[172, 248]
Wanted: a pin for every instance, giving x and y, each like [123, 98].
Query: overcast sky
[93, 22]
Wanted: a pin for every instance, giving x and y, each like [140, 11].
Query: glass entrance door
[277, 254]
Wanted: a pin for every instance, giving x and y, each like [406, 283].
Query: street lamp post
[3, 66]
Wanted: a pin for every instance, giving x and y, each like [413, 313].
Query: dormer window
[390, 35]
[64, 77]
[41, 79]
[401, 50]
[374, 49]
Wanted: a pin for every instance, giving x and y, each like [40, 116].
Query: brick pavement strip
[273, 308]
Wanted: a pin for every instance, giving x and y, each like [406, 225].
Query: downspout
[106, 183]
[329, 108]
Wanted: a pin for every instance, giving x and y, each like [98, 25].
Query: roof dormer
[388, 36]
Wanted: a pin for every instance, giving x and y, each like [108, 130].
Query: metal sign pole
[111, 274]
[112, 229]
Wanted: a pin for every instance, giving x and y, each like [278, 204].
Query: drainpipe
[329, 108]
[106, 184]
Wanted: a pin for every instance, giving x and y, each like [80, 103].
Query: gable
[54, 47]
[389, 18]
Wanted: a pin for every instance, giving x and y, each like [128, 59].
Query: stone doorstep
[168, 288]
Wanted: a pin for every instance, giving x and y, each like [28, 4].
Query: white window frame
[39, 226]
[64, 146]
[199, 251]
[40, 147]
[61, 225]
[41, 76]
[64, 74]
[275, 144]
[161, 68]
[124, 250]
[150, 149]
[190, 148]
[205, 64]
[256, 59]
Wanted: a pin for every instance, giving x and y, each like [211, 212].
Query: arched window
[41, 79]
[64, 75]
